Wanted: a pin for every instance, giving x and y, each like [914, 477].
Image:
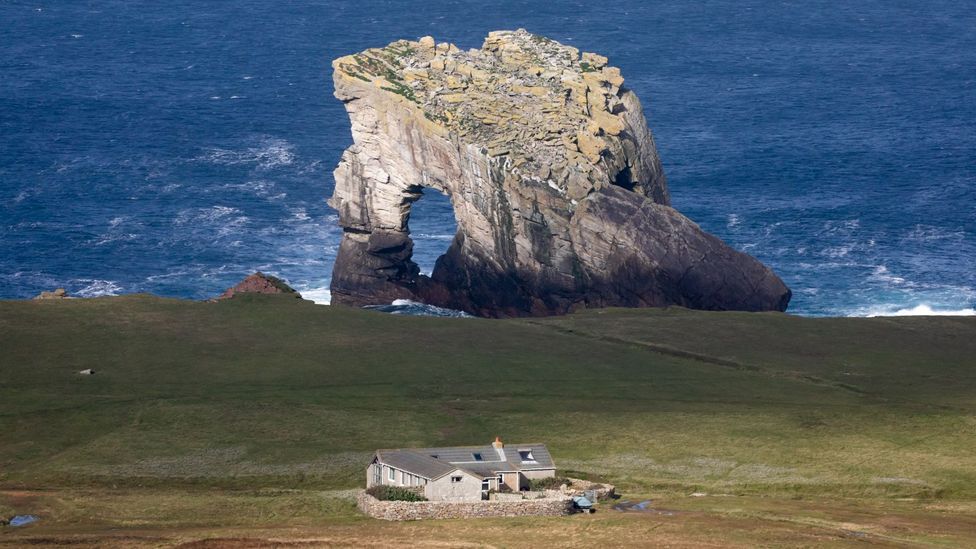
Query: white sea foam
[172, 274]
[117, 237]
[835, 252]
[227, 219]
[881, 274]
[930, 233]
[210, 214]
[426, 236]
[415, 308]
[299, 214]
[842, 226]
[259, 187]
[311, 167]
[733, 221]
[320, 296]
[231, 226]
[97, 288]
[269, 153]
[918, 310]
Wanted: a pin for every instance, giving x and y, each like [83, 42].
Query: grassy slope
[262, 391]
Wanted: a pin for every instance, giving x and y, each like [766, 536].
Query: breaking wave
[919, 310]
[97, 288]
[414, 308]
[319, 296]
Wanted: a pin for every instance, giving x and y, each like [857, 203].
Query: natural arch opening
[432, 228]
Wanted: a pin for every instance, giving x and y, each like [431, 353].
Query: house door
[485, 487]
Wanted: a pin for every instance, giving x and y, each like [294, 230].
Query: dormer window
[477, 456]
[526, 455]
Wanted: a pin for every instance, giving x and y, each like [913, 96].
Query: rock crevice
[558, 191]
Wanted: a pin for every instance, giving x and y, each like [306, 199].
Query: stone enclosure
[418, 510]
[547, 503]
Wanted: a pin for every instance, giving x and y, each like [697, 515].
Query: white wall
[444, 489]
[401, 478]
[545, 473]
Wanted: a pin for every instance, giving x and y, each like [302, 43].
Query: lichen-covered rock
[260, 283]
[59, 293]
[557, 188]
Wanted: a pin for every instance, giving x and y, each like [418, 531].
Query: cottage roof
[415, 462]
[482, 461]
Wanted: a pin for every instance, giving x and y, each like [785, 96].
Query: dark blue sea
[174, 147]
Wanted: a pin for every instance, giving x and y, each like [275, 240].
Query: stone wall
[506, 496]
[418, 510]
[579, 487]
[519, 496]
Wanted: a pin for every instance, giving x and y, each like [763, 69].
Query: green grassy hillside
[247, 411]
[266, 391]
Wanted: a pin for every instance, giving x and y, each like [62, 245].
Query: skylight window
[526, 455]
[477, 456]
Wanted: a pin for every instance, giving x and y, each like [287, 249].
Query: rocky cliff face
[556, 184]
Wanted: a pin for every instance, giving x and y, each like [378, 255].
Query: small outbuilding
[462, 473]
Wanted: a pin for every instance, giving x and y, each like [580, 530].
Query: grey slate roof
[414, 462]
[433, 463]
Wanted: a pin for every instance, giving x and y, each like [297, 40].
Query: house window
[392, 474]
[477, 457]
[456, 479]
[501, 481]
[526, 455]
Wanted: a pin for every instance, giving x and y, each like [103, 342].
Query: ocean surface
[175, 147]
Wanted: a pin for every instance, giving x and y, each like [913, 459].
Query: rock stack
[557, 187]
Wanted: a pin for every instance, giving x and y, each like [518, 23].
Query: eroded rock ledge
[556, 184]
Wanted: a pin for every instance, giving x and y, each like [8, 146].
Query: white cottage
[465, 473]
